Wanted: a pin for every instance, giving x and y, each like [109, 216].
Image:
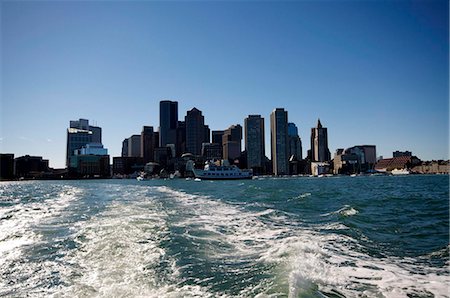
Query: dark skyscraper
[149, 141]
[319, 143]
[195, 131]
[168, 122]
[254, 142]
[217, 136]
[294, 141]
[279, 141]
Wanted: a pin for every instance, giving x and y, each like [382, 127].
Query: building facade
[401, 153]
[28, 166]
[6, 166]
[134, 146]
[279, 141]
[294, 142]
[319, 143]
[231, 142]
[149, 141]
[212, 151]
[254, 142]
[79, 134]
[217, 136]
[196, 131]
[168, 122]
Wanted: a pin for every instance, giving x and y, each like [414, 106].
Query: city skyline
[374, 73]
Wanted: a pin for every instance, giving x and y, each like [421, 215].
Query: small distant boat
[353, 175]
[400, 172]
[212, 171]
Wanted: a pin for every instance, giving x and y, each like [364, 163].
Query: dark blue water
[375, 236]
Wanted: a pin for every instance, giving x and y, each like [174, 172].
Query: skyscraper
[195, 131]
[254, 142]
[319, 143]
[134, 146]
[231, 142]
[168, 121]
[79, 134]
[149, 141]
[294, 141]
[279, 141]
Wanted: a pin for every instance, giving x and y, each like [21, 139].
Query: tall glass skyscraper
[279, 141]
[168, 122]
[254, 142]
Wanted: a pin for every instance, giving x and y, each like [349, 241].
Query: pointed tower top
[319, 125]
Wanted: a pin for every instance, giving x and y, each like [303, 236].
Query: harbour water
[379, 236]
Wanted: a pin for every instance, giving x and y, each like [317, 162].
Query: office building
[231, 142]
[125, 148]
[254, 142]
[196, 131]
[149, 141]
[127, 165]
[181, 138]
[134, 146]
[30, 166]
[168, 121]
[279, 141]
[212, 151]
[6, 166]
[319, 143]
[217, 136]
[79, 134]
[294, 142]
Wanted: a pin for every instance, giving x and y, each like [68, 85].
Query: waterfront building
[402, 162]
[134, 146]
[30, 166]
[432, 167]
[90, 161]
[149, 141]
[294, 142]
[231, 142]
[79, 134]
[356, 159]
[279, 141]
[319, 168]
[212, 151]
[401, 153]
[254, 143]
[6, 166]
[196, 131]
[127, 165]
[163, 155]
[89, 166]
[319, 143]
[168, 121]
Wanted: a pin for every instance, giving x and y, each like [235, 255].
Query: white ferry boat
[212, 171]
[400, 172]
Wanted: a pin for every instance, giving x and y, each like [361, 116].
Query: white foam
[308, 260]
[344, 211]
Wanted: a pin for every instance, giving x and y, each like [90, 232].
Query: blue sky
[374, 72]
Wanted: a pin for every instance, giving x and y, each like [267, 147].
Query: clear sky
[374, 72]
